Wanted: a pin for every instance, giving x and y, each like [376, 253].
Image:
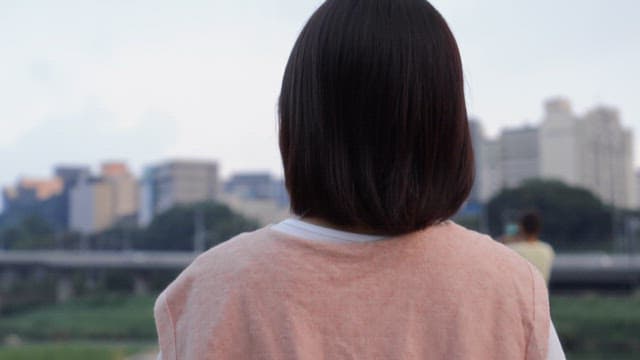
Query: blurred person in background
[511, 233]
[377, 157]
[529, 246]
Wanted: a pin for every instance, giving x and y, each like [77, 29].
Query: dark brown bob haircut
[373, 125]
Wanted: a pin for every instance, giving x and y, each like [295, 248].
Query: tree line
[573, 218]
[173, 230]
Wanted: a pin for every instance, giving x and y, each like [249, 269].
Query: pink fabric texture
[442, 293]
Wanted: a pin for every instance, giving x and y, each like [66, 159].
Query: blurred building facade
[593, 151]
[638, 188]
[43, 198]
[488, 163]
[99, 202]
[254, 185]
[70, 175]
[257, 195]
[31, 191]
[606, 157]
[77, 200]
[492, 169]
[503, 162]
[91, 203]
[559, 146]
[177, 182]
[519, 155]
[257, 186]
[478, 140]
[124, 189]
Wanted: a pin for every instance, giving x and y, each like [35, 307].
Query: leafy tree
[175, 228]
[171, 230]
[32, 232]
[570, 215]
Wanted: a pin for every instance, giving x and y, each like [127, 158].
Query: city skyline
[592, 150]
[89, 81]
[138, 171]
[74, 198]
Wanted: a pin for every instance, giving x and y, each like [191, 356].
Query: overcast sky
[87, 81]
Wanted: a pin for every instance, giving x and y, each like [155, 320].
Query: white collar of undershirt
[305, 230]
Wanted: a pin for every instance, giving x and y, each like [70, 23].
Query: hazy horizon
[88, 81]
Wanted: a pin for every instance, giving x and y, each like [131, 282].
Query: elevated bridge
[570, 271]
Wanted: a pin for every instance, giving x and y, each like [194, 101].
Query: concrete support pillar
[64, 287]
[140, 284]
[8, 277]
[91, 280]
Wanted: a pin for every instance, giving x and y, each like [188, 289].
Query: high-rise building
[593, 151]
[503, 162]
[520, 155]
[91, 207]
[124, 188]
[638, 188]
[252, 185]
[605, 160]
[257, 195]
[148, 193]
[487, 154]
[30, 191]
[35, 197]
[478, 140]
[174, 183]
[97, 203]
[492, 179]
[70, 175]
[559, 142]
[257, 186]
[45, 198]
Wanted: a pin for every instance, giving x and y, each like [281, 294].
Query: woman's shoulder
[514, 280]
[232, 255]
[471, 242]
[479, 252]
[222, 265]
[476, 258]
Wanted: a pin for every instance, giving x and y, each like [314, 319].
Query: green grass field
[106, 318]
[590, 327]
[598, 323]
[69, 351]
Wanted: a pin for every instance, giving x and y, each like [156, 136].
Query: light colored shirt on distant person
[539, 253]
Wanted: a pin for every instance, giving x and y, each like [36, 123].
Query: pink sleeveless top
[442, 293]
